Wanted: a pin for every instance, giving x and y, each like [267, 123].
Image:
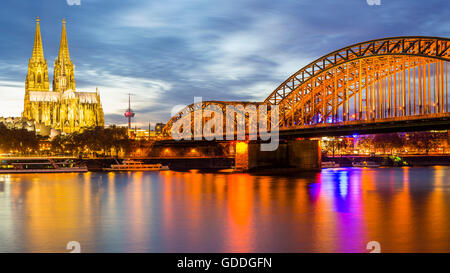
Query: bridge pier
[291, 155]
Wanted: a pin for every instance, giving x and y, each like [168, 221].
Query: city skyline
[194, 49]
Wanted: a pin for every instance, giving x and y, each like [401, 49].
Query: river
[336, 210]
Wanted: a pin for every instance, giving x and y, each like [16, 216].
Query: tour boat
[134, 165]
[330, 164]
[367, 164]
[41, 166]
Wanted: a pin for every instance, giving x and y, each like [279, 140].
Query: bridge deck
[388, 125]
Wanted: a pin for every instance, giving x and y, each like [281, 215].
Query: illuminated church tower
[64, 76]
[63, 108]
[37, 76]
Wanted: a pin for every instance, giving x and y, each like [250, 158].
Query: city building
[62, 108]
[146, 134]
[159, 128]
[139, 134]
[18, 123]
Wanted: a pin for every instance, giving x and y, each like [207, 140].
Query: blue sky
[167, 52]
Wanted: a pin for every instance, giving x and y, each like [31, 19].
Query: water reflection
[340, 210]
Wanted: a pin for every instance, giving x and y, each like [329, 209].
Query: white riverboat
[135, 165]
[41, 166]
[330, 164]
[366, 164]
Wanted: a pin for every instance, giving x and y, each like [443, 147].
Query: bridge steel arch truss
[220, 107]
[386, 78]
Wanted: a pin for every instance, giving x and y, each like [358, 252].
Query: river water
[340, 210]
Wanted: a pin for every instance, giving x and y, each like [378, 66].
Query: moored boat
[366, 164]
[41, 166]
[135, 165]
[330, 164]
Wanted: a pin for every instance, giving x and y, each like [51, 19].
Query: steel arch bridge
[390, 79]
[189, 111]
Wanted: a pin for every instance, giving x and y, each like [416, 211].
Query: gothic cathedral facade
[63, 108]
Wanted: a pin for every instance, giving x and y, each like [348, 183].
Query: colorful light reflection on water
[337, 210]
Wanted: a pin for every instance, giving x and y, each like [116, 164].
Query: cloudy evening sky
[167, 52]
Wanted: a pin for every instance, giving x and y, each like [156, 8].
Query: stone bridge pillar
[290, 156]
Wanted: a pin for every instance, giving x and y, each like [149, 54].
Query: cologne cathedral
[63, 108]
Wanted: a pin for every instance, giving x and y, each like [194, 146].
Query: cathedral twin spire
[37, 76]
[38, 51]
[63, 46]
[63, 76]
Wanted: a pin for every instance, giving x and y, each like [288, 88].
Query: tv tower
[129, 113]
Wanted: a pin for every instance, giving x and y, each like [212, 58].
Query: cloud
[114, 91]
[12, 94]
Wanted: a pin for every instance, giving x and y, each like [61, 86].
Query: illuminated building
[147, 134]
[17, 123]
[159, 128]
[139, 134]
[63, 108]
